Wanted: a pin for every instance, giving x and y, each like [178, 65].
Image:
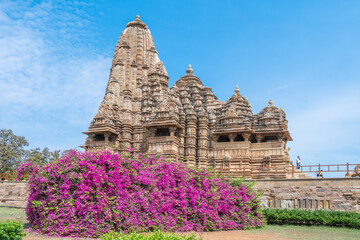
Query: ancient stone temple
[185, 121]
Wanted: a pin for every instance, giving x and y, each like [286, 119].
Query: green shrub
[308, 217]
[11, 230]
[240, 181]
[151, 236]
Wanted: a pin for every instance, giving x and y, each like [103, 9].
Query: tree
[38, 157]
[12, 152]
[64, 152]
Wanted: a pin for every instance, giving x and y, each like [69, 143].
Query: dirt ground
[272, 232]
[231, 235]
[266, 233]
[286, 232]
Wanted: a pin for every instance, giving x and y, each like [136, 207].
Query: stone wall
[332, 193]
[13, 194]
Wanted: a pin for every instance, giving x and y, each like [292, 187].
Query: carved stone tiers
[186, 121]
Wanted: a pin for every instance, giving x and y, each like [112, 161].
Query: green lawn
[13, 213]
[308, 232]
[273, 232]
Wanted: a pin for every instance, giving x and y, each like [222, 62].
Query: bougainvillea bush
[86, 194]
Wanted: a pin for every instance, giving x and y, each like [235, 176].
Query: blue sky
[55, 59]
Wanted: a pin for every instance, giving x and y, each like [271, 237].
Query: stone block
[320, 194]
[286, 204]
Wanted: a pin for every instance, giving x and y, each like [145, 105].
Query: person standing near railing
[298, 162]
[320, 174]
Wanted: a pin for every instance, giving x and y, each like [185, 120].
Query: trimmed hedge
[308, 217]
[11, 230]
[151, 236]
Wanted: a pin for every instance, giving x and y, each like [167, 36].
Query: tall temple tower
[186, 121]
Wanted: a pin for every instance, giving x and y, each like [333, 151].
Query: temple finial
[237, 89]
[137, 23]
[189, 70]
[271, 102]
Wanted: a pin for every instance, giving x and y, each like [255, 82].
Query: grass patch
[274, 232]
[148, 236]
[308, 232]
[13, 213]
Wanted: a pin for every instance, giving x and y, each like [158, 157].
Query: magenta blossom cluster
[86, 194]
[25, 170]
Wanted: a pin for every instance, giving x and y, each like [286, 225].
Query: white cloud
[52, 82]
[49, 81]
[327, 131]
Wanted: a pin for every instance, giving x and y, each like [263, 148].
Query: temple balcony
[231, 145]
[168, 145]
[259, 150]
[267, 145]
[233, 149]
[99, 144]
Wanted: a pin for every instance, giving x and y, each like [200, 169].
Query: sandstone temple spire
[186, 121]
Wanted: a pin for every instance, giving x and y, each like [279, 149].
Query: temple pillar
[258, 138]
[202, 141]
[232, 137]
[107, 137]
[190, 151]
[181, 145]
[126, 135]
[138, 132]
[172, 131]
[281, 137]
[246, 136]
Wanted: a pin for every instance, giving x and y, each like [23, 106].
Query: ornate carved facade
[186, 121]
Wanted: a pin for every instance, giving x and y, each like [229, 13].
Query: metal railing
[239, 172]
[317, 169]
[291, 171]
[351, 170]
[273, 170]
[254, 172]
[12, 176]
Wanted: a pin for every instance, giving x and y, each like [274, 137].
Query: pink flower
[86, 194]
[130, 149]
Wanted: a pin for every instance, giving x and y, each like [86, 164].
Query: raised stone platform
[13, 194]
[332, 193]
